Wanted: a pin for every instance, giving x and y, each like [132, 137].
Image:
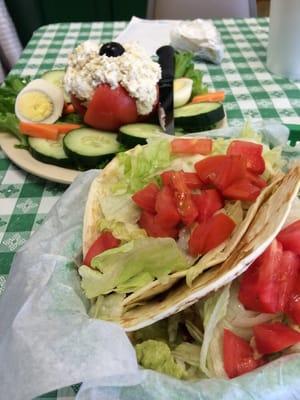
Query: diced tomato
[273, 337]
[249, 289]
[209, 234]
[292, 308]
[165, 206]
[104, 242]
[146, 197]
[110, 108]
[251, 151]
[288, 276]
[191, 146]
[290, 237]
[221, 171]
[148, 222]
[191, 179]
[207, 202]
[242, 190]
[238, 355]
[268, 277]
[256, 180]
[183, 198]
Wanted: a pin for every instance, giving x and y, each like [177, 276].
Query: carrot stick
[45, 131]
[209, 97]
[68, 108]
[65, 128]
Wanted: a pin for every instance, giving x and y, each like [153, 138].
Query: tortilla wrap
[198, 283]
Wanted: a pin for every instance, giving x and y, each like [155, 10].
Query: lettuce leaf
[124, 268]
[108, 308]
[142, 165]
[121, 230]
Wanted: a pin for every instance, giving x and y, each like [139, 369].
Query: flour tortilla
[195, 282]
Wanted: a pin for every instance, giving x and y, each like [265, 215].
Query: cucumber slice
[194, 117]
[57, 78]
[49, 151]
[132, 134]
[88, 148]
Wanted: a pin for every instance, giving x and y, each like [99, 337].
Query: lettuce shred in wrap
[140, 259]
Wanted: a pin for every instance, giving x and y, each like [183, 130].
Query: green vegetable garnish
[10, 123]
[184, 67]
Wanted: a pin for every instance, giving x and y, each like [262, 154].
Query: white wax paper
[47, 340]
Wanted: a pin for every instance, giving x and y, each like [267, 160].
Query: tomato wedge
[104, 242]
[207, 202]
[191, 146]
[183, 198]
[110, 108]
[242, 189]
[146, 197]
[273, 337]
[238, 355]
[209, 234]
[251, 151]
[221, 171]
[165, 206]
[292, 307]
[191, 179]
[148, 222]
[290, 237]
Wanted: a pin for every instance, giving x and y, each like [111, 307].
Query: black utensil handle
[166, 61]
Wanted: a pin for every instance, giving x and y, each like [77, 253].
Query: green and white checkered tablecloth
[251, 92]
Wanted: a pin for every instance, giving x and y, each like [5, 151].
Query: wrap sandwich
[169, 222]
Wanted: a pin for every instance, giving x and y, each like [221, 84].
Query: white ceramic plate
[23, 159]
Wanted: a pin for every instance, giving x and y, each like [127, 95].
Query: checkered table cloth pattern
[251, 92]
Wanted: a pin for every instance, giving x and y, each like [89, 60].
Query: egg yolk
[35, 106]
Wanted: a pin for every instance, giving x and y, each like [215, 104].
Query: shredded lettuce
[120, 208]
[214, 310]
[108, 308]
[142, 165]
[188, 353]
[121, 230]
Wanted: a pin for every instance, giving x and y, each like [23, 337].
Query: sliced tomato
[249, 289]
[287, 279]
[210, 233]
[191, 146]
[273, 337]
[183, 198]
[242, 189]
[256, 180]
[165, 206]
[251, 151]
[146, 197]
[148, 222]
[238, 355]
[290, 237]
[207, 202]
[191, 179]
[104, 242]
[110, 108]
[221, 171]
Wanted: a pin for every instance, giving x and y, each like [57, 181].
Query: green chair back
[28, 15]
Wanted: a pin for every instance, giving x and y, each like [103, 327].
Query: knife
[166, 105]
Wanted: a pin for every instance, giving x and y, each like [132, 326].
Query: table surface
[251, 92]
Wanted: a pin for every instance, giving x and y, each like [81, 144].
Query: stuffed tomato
[112, 84]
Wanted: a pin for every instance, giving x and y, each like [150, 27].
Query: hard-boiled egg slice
[182, 91]
[39, 101]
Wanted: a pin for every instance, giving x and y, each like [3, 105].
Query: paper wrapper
[47, 340]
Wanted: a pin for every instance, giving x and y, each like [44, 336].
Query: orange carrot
[45, 131]
[66, 127]
[209, 97]
[68, 108]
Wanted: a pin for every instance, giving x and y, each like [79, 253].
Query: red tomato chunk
[238, 355]
[104, 242]
[273, 337]
[191, 146]
[207, 202]
[146, 197]
[252, 153]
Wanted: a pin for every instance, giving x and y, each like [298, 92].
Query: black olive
[111, 49]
